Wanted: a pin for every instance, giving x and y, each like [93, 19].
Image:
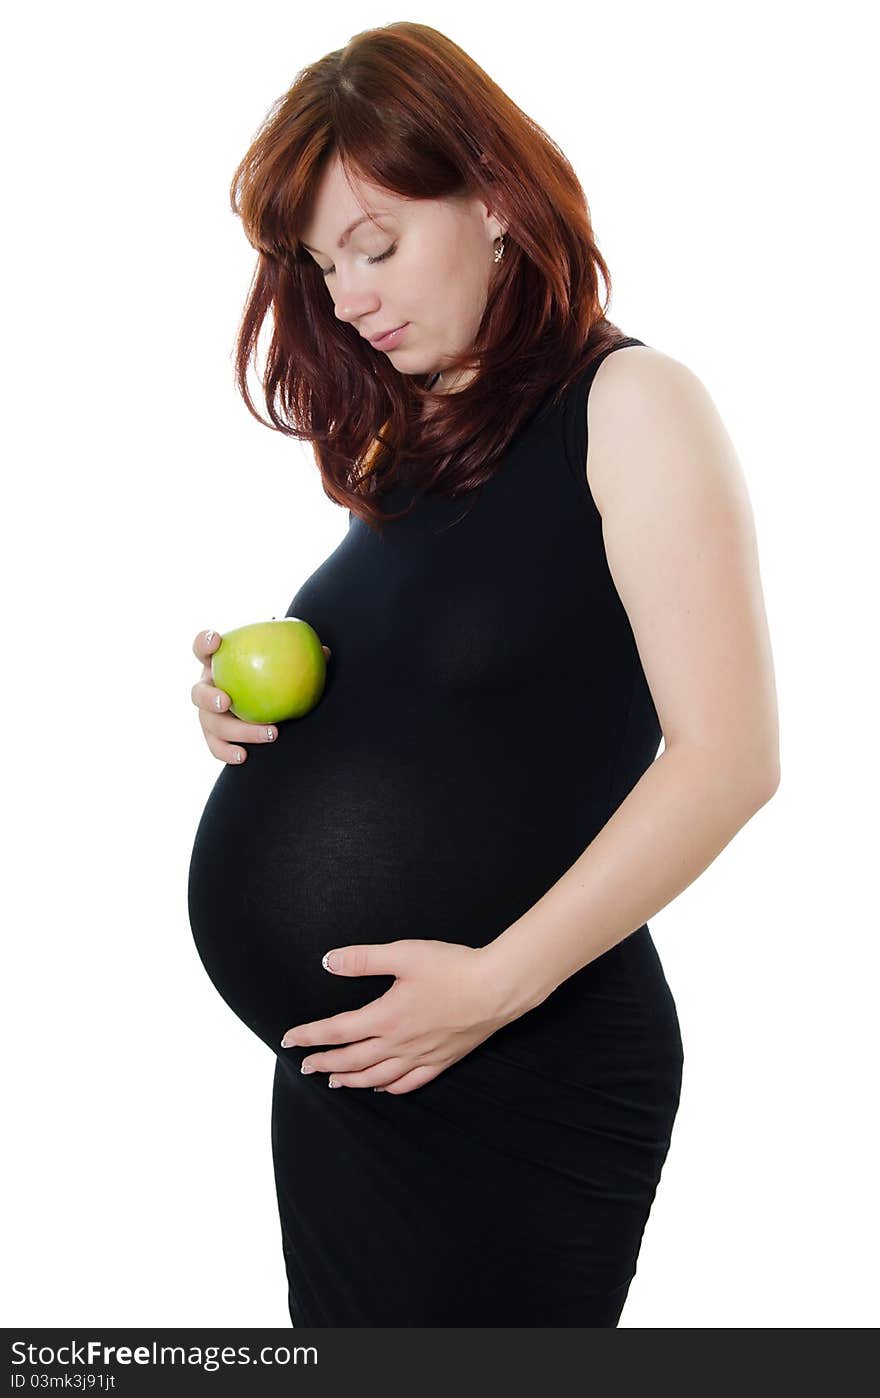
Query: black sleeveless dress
[485, 712]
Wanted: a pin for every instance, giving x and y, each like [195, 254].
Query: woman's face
[426, 264]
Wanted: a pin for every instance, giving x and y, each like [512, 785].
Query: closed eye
[381, 258]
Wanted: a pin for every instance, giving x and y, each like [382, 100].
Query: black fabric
[485, 713]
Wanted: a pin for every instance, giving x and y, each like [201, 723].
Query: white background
[724, 150]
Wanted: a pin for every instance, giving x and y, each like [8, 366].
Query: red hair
[407, 110]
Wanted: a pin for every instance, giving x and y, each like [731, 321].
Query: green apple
[271, 670]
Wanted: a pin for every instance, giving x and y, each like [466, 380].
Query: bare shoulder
[680, 542]
[650, 416]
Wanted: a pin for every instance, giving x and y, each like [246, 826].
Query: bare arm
[680, 542]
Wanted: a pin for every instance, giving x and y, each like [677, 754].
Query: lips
[386, 334]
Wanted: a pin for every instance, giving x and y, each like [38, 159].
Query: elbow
[748, 779]
[760, 771]
[768, 781]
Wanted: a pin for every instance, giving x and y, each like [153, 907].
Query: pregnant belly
[440, 829]
[283, 869]
[311, 845]
[367, 829]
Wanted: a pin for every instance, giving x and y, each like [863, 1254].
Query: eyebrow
[350, 229]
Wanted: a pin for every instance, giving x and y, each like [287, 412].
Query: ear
[494, 223]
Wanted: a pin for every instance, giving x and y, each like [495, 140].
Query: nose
[357, 306]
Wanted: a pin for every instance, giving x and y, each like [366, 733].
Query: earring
[499, 252]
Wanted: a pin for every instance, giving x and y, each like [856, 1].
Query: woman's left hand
[442, 1004]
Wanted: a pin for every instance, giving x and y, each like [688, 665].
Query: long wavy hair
[405, 109]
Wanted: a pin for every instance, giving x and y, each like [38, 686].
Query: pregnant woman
[431, 893]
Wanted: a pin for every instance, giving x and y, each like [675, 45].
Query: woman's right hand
[224, 733]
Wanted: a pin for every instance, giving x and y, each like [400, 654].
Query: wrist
[515, 975]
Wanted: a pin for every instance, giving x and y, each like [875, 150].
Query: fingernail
[333, 1083]
[209, 636]
[378, 1089]
[306, 1068]
[270, 735]
[219, 701]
